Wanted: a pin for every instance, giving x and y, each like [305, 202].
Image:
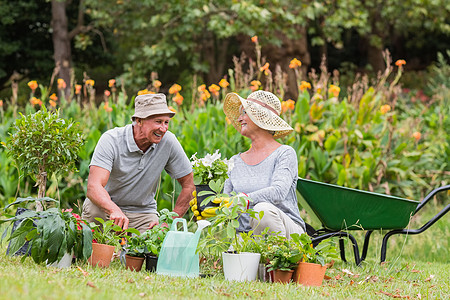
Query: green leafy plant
[211, 167]
[318, 254]
[222, 233]
[107, 232]
[43, 143]
[51, 233]
[150, 241]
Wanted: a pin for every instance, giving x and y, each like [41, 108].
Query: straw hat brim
[261, 116]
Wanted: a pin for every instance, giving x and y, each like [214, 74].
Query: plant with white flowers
[211, 167]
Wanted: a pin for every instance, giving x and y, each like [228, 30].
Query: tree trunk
[61, 43]
[375, 57]
[42, 186]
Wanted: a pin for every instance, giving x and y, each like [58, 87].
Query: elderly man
[126, 167]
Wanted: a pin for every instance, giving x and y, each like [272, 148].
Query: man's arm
[187, 185]
[98, 177]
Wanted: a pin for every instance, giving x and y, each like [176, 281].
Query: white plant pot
[65, 262]
[240, 267]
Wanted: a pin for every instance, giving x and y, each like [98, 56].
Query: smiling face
[247, 125]
[150, 130]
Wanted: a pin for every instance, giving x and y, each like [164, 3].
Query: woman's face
[247, 125]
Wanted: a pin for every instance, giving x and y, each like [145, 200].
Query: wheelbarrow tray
[342, 208]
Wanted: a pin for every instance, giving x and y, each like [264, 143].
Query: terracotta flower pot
[309, 274]
[101, 255]
[133, 263]
[282, 276]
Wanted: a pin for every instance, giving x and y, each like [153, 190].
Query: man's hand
[119, 218]
[153, 224]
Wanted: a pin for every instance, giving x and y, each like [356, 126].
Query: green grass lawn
[417, 267]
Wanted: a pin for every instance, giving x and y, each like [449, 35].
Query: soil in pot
[133, 263]
[150, 263]
[101, 255]
[282, 276]
[309, 274]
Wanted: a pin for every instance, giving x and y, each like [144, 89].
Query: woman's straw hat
[263, 108]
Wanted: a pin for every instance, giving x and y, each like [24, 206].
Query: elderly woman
[268, 171]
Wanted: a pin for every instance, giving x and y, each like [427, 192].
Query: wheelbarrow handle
[431, 195]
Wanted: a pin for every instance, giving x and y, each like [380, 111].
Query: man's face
[155, 127]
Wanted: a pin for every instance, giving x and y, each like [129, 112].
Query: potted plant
[135, 250]
[106, 236]
[238, 250]
[283, 257]
[311, 269]
[209, 169]
[52, 234]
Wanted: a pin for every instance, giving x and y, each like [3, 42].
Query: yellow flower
[400, 62]
[157, 83]
[255, 39]
[295, 63]
[111, 83]
[178, 99]
[417, 135]
[305, 85]
[173, 109]
[385, 108]
[33, 85]
[143, 92]
[205, 95]
[90, 82]
[224, 83]
[175, 88]
[334, 89]
[53, 97]
[61, 84]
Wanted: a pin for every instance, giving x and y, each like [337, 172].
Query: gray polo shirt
[134, 175]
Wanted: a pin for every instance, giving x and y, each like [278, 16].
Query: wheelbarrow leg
[320, 238]
[342, 249]
[366, 245]
[411, 231]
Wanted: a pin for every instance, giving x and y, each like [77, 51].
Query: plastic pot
[240, 267]
[150, 263]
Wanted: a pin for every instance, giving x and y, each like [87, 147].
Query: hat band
[265, 105]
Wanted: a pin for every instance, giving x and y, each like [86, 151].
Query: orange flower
[287, 105]
[178, 99]
[228, 120]
[35, 101]
[214, 89]
[205, 95]
[1, 103]
[305, 85]
[111, 83]
[175, 88]
[90, 82]
[61, 84]
[157, 84]
[106, 107]
[201, 88]
[107, 93]
[53, 97]
[334, 89]
[255, 84]
[255, 39]
[295, 63]
[33, 85]
[385, 108]
[52, 103]
[143, 92]
[265, 69]
[417, 135]
[400, 62]
[224, 83]
[78, 89]
[172, 109]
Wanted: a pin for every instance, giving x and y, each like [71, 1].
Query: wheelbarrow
[342, 210]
